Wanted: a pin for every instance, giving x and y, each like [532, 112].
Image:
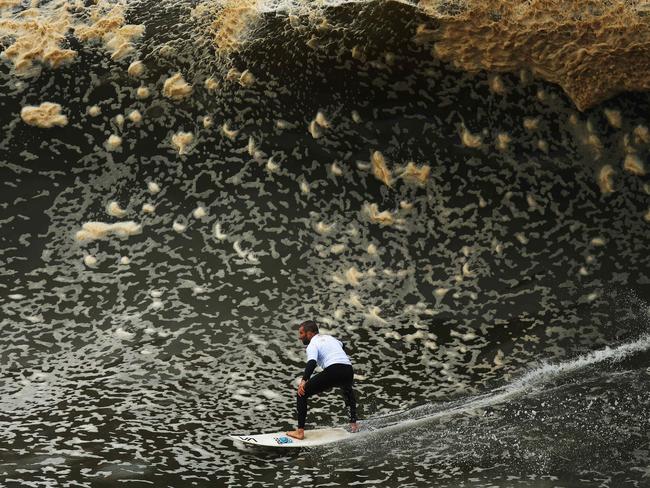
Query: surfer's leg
[301, 407]
[318, 383]
[347, 390]
[350, 402]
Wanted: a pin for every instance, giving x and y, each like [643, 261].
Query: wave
[522, 386]
[593, 49]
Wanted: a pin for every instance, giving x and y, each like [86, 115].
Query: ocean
[456, 190]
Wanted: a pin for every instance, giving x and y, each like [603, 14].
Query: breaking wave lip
[517, 388]
[544, 39]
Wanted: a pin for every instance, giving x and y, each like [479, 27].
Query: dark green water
[499, 333]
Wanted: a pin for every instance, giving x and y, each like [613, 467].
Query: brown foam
[593, 49]
[641, 134]
[9, 3]
[531, 123]
[176, 88]
[503, 139]
[135, 116]
[417, 175]
[470, 140]
[247, 78]
[229, 22]
[634, 165]
[142, 92]
[228, 132]
[380, 168]
[45, 115]
[91, 231]
[605, 179]
[614, 118]
[211, 84]
[38, 34]
[108, 24]
[136, 69]
[322, 120]
[113, 143]
[181, 141]
[385, 217]
[37, 38]
[314, 130]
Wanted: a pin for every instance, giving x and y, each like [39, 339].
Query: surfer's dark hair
[309, 326]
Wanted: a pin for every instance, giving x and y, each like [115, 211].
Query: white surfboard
[316, 437]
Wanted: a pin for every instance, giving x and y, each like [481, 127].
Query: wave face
[592, 49]
[183, 182]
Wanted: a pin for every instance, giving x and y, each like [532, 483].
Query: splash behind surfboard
[316, 437]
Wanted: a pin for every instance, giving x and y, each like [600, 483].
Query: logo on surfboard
[283, 440]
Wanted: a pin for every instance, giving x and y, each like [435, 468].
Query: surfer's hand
[301, 388]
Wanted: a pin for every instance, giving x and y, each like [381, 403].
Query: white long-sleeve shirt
[326, 350]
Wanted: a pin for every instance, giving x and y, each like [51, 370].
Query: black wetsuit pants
[340, 375]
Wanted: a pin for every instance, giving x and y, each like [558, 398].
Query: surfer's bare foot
[297, 434]
[354, 427]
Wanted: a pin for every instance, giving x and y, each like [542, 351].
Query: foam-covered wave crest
[593, 49]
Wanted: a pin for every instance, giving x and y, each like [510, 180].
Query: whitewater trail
[526, 384]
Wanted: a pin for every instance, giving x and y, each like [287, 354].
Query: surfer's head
[307, 330]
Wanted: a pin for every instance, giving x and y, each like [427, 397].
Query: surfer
[326, 352]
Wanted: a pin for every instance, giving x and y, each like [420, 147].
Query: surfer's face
[305, 337]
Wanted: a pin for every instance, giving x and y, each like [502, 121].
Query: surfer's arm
[309, 369]
[312, 356]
